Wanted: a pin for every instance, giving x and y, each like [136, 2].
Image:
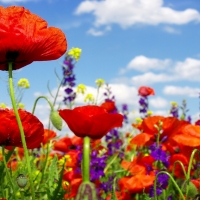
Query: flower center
[11, 56]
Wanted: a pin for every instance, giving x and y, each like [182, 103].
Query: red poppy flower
[109, 106]
[66, 144]
[196, 182]
[92, 121]
[178, 171]
[70, 175]
[9, 130]
[72, 187]
[63, 144]
[24, 38]
[48, 135]
[145, 91]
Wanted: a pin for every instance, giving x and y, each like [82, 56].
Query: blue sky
[137, 42]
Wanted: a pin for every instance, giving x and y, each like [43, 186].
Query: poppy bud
[22, 180]
[56, 120]
[86, 191]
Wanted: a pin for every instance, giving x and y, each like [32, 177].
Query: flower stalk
[86, 160]
[12, 96]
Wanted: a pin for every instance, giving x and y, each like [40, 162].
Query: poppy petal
[25, 37]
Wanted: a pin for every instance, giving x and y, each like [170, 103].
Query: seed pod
[22, 180]
[56, 120]
[86, 191]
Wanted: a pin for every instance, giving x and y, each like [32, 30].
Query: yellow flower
[64, 159]
[66, 183]
[90, 98]
[21, 105]
[138, 120]
[149, 112]
[99, 82]
[23, 82]
[174, 104]
[75, 53]
[2, 105]
[81, 88]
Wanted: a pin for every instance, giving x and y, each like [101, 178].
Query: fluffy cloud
[185, 91]
[132, 12]
[150, 78]
[158, 102]
[187, 70]
[143, 64]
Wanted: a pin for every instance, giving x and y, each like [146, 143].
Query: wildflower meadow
[158, 159]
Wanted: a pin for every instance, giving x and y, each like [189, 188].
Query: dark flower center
[11, 56]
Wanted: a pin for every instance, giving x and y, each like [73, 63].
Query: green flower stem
[48, 146]
[20, 128]
[173, 181]
[7, 172]
[182, 166]
[110, 163]
[40, 97]
[54, 102]
[86, 160]
[22, 194]
[189, 169]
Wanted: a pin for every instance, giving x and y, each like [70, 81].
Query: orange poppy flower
[189, 136]
[9, 130]
[92, 121]
[137, 183]
[121, 196]
[139, 140]
[171, 126]
[145, 91]
[25, 37]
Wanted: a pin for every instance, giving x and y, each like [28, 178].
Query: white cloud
[96, 32]
[187, 70]
[158, 102]
[142, 63]
[132, 12]
[171, 30]
[163, 113]
[186, 91]
[150, 78]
